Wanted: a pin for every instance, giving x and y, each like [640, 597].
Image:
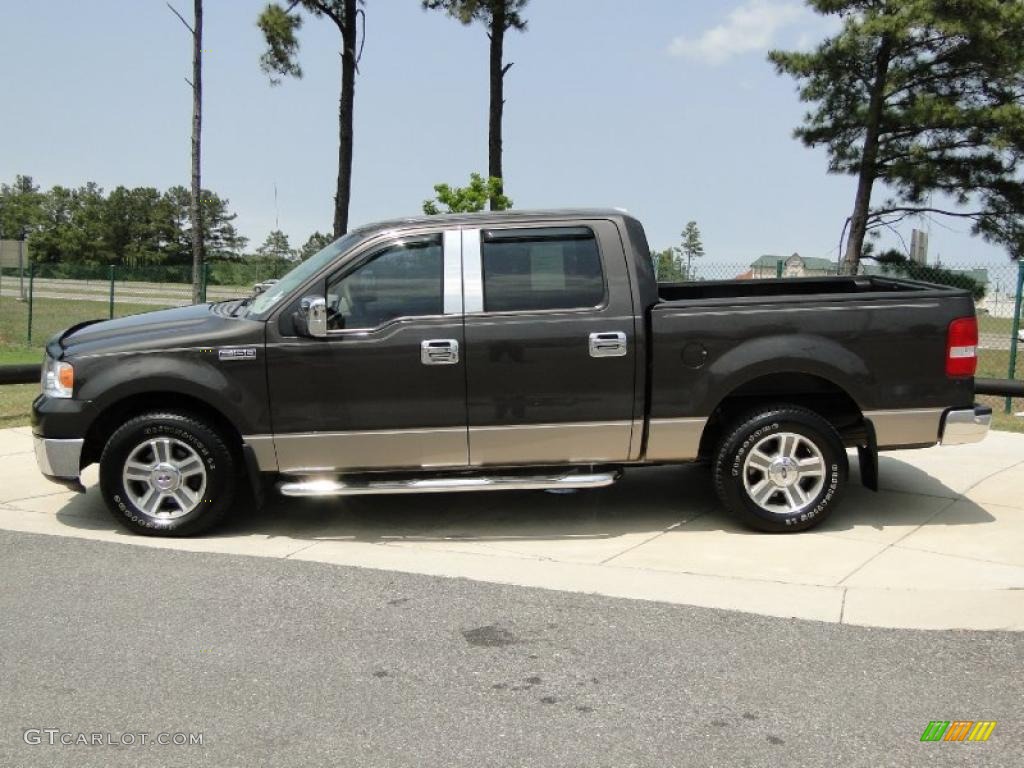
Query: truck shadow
[648, 500]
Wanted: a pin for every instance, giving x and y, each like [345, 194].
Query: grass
[1001, 325]
[16, 404]
[48, 317]
[52, 315]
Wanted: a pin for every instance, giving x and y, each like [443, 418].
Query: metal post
[206, 279]
[778, 268]
[113, 271]
[31, 281]
[1012, 369]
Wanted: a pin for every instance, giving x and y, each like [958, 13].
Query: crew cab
[511, 350]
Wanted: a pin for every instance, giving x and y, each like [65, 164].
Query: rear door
[550, 344]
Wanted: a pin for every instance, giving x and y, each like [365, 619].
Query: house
[793, 266]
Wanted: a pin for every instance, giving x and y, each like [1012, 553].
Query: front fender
[235, 388]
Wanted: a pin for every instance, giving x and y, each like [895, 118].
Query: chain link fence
[42, 299]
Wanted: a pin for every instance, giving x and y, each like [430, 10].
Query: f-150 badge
[236, 353]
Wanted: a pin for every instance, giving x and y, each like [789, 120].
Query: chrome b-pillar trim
[453, 272]
[472, 271]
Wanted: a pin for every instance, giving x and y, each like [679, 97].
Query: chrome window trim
[367, 332]
[473, 271]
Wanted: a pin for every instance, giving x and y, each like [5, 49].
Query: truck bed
[881, 340]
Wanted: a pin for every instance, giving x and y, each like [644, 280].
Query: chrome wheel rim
[165, 478]
[784, 473]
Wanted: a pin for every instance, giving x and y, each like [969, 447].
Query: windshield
[302, 272]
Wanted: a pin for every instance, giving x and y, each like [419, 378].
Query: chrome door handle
[439, 352]
[610, 344]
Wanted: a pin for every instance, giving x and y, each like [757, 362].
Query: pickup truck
[512, 350]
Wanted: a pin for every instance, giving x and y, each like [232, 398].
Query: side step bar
[332, 486]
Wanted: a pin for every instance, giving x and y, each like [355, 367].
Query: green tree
[497, 17]
[222, 240]
[926, 97]
[275, 248]
[135, 227]
[21, 208]
[668, 266]
[316, 243]
[71, 228]
[279, 25]
[469, 199]
[692, 246]
[896, 263]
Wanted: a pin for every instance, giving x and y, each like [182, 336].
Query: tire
[173, 456]
[764, 469]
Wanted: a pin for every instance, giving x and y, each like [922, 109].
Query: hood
[199, 325]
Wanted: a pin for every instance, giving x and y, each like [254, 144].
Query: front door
[387, 387]
[550, 344]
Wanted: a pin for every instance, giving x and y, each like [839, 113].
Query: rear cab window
[541, 269]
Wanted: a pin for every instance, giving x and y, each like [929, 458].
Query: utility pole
[196, 209]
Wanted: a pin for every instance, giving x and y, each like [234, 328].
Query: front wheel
[167, 474]
[781, 468]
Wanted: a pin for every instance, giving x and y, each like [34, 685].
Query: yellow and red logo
[958, 730]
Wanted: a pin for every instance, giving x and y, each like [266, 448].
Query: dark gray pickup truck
[525, 350]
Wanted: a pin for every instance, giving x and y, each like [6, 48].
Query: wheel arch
[812, 391]
[121, 410]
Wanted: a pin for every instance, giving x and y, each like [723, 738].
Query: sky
[667, 108]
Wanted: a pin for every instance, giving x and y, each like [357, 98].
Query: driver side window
[404, 279]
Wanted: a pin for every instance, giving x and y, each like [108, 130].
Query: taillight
[962, 347]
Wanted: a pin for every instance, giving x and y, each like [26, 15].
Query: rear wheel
[167, 474]
[781, 468]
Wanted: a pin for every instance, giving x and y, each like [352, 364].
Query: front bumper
[965, 425]
[60, 460]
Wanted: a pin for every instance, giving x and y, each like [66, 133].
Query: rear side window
[538, 269]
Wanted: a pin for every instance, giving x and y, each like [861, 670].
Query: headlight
[58, 378]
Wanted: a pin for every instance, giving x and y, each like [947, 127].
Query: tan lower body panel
[674, 439]
[378, 449]
[604, 441]
[907, 426]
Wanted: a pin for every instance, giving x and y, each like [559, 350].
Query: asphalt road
[281, 663]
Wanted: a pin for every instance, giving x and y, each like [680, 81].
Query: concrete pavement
[940, 547]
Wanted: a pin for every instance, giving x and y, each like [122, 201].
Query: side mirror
[311, 319]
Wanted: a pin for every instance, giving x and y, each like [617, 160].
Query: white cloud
[750, 27]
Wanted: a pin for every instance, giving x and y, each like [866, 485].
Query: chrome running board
[336, 486]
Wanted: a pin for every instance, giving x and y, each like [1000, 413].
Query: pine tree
[926, 97]
[692, 247]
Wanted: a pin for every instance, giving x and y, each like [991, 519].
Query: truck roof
[493, 217]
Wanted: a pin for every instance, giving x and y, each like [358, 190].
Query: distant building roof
[810, 262]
